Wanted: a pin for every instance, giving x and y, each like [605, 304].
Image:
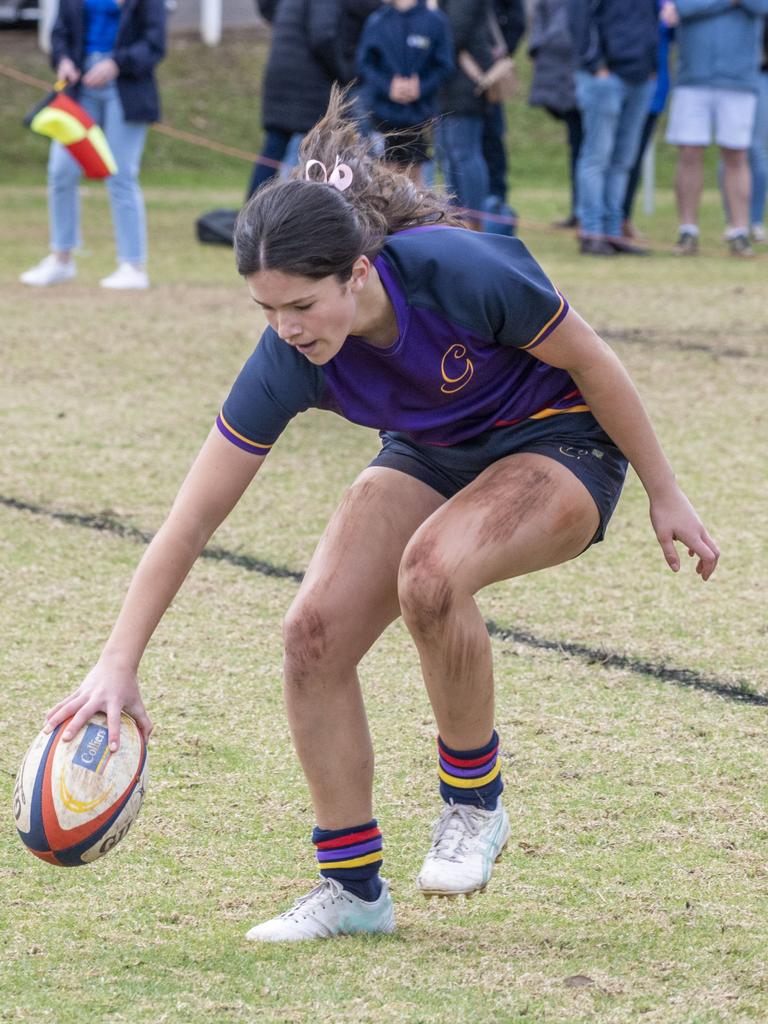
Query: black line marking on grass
[740, 692]
[106, 522]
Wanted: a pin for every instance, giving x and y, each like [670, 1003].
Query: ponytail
[340, 203]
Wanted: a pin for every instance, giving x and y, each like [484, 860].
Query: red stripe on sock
[472, 762]
[350, 840]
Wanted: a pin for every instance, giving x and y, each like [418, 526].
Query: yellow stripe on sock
[482, 780]
[356, 862]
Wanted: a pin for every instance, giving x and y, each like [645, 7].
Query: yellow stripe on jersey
[556, 412]
[247, 440]
[547, 325]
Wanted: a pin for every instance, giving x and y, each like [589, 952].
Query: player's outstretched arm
[616, 405]
[213, 486]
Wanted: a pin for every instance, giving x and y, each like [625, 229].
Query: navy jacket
[417, 41]
[139, 47]
[620, 35]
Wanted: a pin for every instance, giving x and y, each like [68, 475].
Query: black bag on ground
[217, 227]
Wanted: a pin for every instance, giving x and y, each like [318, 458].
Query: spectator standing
[405, 55]
[550, 47]
[717, 85]
[510, 21]
[107, 51]
[758, 155]
[615, 44]
[658, 102]
[313, 45]
[460, 132]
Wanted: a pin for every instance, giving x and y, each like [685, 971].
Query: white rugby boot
[50, 270]
[466, 842]
[328, 910]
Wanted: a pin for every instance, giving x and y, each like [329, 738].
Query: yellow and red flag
[60, 117]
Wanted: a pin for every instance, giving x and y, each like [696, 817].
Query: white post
[649, 176]
[48, 12]
[210, 22]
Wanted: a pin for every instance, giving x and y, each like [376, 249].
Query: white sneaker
[126, 276]
[758, 233]
[51, 270]
[466, 842]
[328, 910]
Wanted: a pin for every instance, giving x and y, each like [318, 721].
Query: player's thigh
[350, 588]
[525, 512]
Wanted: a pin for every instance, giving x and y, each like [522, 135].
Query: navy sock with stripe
[471, 776]
[352, 856]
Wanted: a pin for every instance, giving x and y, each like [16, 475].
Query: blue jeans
[126, 140]
[758, 154]
[613, 112]
[460, 144]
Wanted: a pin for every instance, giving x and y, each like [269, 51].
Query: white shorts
[696, 110]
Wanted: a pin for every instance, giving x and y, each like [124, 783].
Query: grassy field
[631, 702]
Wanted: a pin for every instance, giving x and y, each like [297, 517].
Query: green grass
[639, 850]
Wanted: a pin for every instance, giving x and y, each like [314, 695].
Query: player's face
[314, 315]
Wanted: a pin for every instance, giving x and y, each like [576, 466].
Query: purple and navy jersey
[469, 307]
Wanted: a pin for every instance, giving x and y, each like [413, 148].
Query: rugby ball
[73, 802]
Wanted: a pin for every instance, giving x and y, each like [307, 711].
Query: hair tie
[340, 177]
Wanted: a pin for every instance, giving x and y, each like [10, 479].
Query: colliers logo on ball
[93, 752]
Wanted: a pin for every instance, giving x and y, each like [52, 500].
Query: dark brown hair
[306, 227]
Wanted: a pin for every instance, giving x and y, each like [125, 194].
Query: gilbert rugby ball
[73, 802]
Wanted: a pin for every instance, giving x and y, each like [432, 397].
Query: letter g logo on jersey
[456, 369]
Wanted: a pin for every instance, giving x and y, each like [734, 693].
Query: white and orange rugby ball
[73, 802]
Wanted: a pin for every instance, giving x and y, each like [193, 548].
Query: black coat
[510, 15]
[471, 32]
[139, 47]
[309, 52]
[551, 49]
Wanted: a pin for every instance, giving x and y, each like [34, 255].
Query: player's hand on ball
[104, 689]
[675, 519]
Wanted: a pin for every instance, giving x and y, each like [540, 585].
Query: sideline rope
[740, 691]
[242, 154]
[218, 147]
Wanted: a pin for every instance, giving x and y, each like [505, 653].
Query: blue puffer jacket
[719, 43]
[417, 41]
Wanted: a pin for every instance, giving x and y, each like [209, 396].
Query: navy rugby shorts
[575, 440]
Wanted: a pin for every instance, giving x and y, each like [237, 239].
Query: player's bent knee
[307, 630]
[427, 588]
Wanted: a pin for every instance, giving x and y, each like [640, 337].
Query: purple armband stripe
[467, 773]
[349, 852]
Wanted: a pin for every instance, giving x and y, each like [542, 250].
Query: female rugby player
[506, 424]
